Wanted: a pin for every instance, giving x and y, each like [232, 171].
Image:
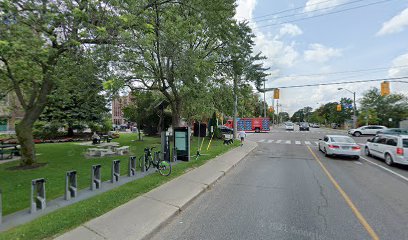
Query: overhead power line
[288, 10]
[342, 72]
[324, 14]
[398, 79]
[311, 11]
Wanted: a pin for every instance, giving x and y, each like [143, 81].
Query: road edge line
[386, 169]
[353, 208]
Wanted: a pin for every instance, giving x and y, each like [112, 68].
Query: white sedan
[339, 145]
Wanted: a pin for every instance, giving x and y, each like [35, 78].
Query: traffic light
[338, 107]
[385, 88]
[276, 93]
[271, 109]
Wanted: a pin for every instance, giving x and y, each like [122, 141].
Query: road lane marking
[353, 208]
[386, 169]
[356, 162]
[270, 140]
[297, 142]
[288, 142]
[278, 141]
[262, 140]
[307, 142]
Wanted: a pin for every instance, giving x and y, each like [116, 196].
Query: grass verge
[67, 218]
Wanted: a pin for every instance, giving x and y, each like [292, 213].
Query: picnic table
[9, 148]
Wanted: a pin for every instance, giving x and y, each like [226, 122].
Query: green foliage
[379, 109]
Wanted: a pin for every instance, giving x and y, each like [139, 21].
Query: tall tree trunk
[24, 132]
[176, 113]
[70, 130]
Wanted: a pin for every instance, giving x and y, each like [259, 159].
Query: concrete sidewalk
[142, 216]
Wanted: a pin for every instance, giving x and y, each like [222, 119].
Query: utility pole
[273, 111]
[354, 111]
[235, 106]
[264, 101]
[277, 109]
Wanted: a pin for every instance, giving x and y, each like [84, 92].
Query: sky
[323, 41]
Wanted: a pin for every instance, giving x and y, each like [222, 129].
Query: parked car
[225, 130]
[339, 145]
[335, 125]
[289, 126]
[304, 126]
[391, 148]
[366, 130]
[397, 131]
[314, 125]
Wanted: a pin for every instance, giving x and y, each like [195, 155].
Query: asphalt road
[288, 190]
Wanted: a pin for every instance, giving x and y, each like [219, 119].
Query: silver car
[391, 148]
[339, 145]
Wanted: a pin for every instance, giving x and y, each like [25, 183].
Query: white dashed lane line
[386, 169]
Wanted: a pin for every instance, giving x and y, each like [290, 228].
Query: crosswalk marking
[307, 143]
[317, 143]
[270, 140]
[278, 141]
[297, 142]
[288, 142]
[262, 140]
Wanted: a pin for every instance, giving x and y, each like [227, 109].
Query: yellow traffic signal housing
[276, 93]
[385, 88]
[271, 109]
[338, 107]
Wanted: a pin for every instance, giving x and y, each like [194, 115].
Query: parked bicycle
[163, 167]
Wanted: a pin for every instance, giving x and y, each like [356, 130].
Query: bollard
[132, 166]
[96, 181]
[115, 171]
[174, 159]
[38, 199]
[0, 208]
[71, 185]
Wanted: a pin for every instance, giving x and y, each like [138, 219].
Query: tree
[380, 109]
[76, 98]
[34, 37]
[174, 50]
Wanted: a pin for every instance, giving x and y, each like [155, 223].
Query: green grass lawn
[72, 216]
[61, 157]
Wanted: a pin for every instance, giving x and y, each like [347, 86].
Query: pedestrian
[242, 135]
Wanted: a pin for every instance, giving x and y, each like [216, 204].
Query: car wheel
[325, 153]
[367, 151]
[257, 130]
[356, 157]
[388, 160]
[357, 134]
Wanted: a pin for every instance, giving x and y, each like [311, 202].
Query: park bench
[122, 150]
[99, 152]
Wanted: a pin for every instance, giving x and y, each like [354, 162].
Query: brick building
[10, 112]
[117, 114]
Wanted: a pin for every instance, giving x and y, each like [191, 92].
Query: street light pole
[354, 107]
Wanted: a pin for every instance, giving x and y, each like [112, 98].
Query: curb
[208, 187]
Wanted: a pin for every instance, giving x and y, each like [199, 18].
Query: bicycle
[163, 167]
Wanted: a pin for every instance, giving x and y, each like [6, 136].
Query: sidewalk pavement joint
[141, 217]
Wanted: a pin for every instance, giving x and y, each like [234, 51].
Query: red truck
[250, 124]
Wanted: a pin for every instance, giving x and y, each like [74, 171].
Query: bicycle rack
[71, 185]
[132, 166]
[96, 182]
[143, 164]
[115, 171]
[38, 199]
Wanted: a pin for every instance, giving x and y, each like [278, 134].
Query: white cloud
[315, 5]
[396, 70]
[395, 24]
[320, 53]
[278, 53]
[289, 29]
[244, 9]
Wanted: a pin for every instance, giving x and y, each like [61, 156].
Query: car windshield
[405, 143]
[342, 139]
[289, 124]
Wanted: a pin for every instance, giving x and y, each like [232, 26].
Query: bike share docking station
[71, 185]
[115, 171]
[181, 137]
[38, 199]
[96, 181]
